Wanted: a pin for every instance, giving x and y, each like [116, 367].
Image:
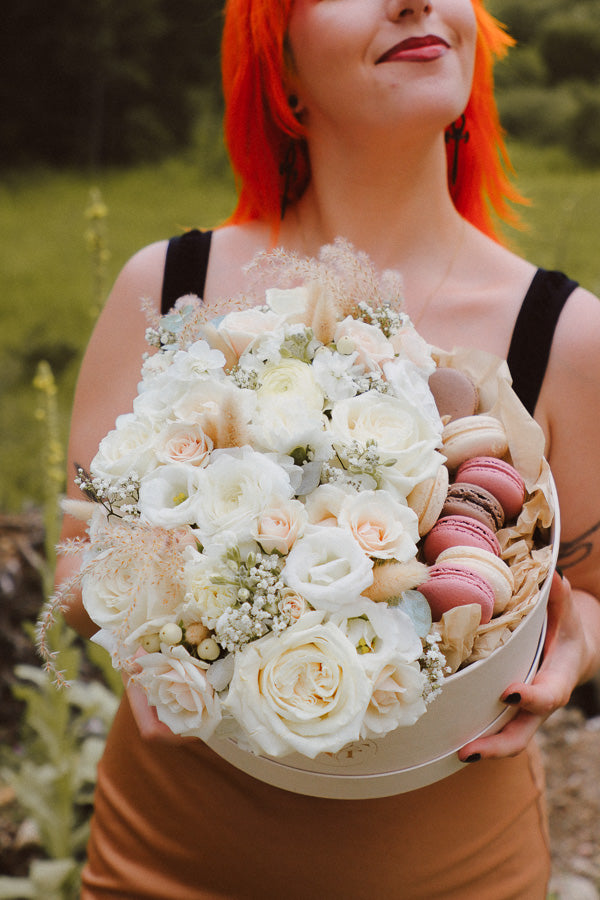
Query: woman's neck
[391, 202]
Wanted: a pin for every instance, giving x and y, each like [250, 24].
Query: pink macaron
[454, 531]
[449, 586]
[499, 478]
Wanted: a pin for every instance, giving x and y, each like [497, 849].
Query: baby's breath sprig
[259, 589]
[245, 377]
[388, 319]
[299, 343]
[433, 665]
[362, 459]
[119, 499]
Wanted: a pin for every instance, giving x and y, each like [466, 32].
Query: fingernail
[474, 757]
[559, 572]
[513, 699]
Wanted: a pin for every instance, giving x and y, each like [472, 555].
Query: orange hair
[260, 126]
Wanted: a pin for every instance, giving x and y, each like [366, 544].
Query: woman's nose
[400, 9]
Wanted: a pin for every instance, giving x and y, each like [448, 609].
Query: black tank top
[185, 273]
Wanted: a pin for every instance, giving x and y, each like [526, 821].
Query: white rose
[238, 485]
[122, 597]
[176, 684]
[371, 345]
[408, 381]
[328, 568]
[208, 590]
[239, 329]
[304, 691]
[280, 525]
[128, 448]
[183, 443]
[397, 697]
[288, 302]
[402, 431]
[168, 496]
[382, 527]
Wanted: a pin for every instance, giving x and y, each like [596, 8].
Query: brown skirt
[175, 822]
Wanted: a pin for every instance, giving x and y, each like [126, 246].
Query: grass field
[46, 272]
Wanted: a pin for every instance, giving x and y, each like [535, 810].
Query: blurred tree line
[117, 81]
[104, 81]
[549, 85]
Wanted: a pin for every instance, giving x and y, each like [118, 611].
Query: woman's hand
[146, 718]
[565, 664]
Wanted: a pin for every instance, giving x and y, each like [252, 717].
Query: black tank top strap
[186, 265]
[533, 332]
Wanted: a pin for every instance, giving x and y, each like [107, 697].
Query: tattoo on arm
[579, 549]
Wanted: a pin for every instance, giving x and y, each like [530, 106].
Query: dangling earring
[289, 172]
[457, 133]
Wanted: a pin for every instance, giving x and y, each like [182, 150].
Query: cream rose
[176, 684]
[403, 434]
[370, 344]
[128, 449]
[397, 696]
[239, 329]
[381, 526]
[328, 568]
[183, 443]
[280, 525]
[304, 691]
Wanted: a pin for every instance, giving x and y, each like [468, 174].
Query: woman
[344, 118]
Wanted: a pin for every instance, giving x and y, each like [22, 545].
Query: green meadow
[47, 272]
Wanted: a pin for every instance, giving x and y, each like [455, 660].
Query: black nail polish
[559, 572]
[513, 699]
[474, 757]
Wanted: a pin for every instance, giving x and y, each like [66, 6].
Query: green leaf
[416, 607]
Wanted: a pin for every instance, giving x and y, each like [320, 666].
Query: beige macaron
[427, 499]
[473, 436]
[495, 571]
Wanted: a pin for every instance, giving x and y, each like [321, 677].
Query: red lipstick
[416, 49]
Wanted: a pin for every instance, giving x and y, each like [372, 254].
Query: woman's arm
[106, 388]
[570, 405]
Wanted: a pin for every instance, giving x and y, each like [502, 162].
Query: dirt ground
[570, 740]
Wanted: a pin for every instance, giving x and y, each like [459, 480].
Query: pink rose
[280, 526]
[184, 443]
[371, 345]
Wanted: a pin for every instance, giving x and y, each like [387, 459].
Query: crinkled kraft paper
[463, 639]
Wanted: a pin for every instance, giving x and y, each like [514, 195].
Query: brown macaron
[454, 393]
[464, 499]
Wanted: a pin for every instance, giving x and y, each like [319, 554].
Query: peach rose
[280, 526]
[183, 443]
[371, 345]
[383, 527]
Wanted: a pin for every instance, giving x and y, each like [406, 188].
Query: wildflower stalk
[96, 239]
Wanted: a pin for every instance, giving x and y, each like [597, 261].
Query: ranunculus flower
[403, 434]
[208, 592]
[128, 448]
[176, 684]
[239, 329]
[381, 526]
[304, 691]
[328, 568]
[238, 485]
[289, 380]
[371, 345]
[183, 443]
[168, 495]
[280, 525]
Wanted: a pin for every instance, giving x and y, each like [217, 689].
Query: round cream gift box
[420, 754]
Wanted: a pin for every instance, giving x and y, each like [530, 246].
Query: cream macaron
[428, 498]
[470, 436]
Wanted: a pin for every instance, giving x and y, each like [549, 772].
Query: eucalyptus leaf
[416, 607]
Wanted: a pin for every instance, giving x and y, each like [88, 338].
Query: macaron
[427, 499]
[455, 394]
[499, 478]
[453, 531]
[496, 572]
[448, 586]
[464, 499]
[470, 436]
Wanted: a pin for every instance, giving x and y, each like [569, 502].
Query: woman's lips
[419, 49]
